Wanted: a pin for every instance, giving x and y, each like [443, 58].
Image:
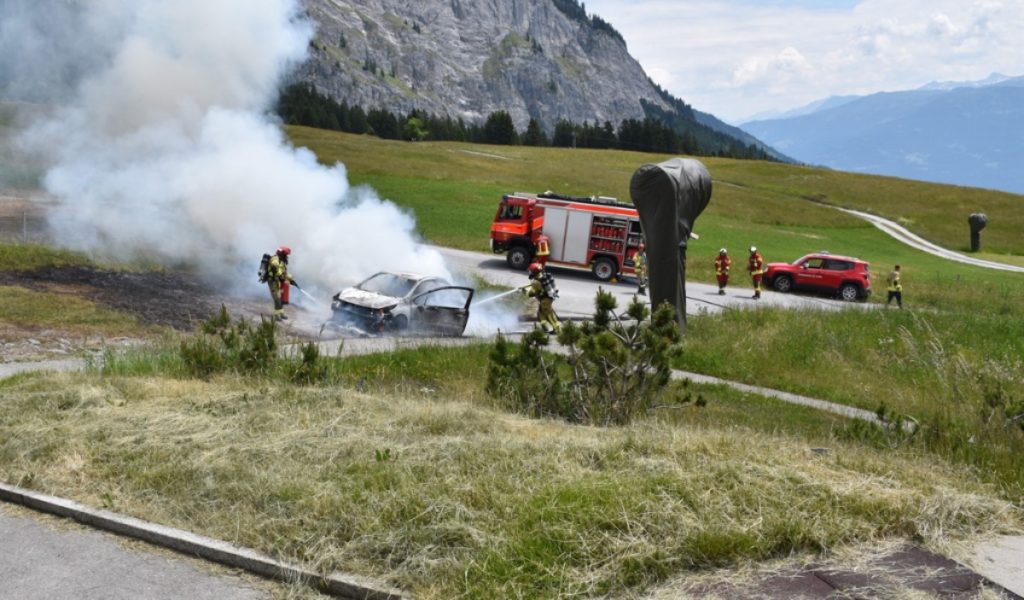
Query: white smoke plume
[163, 148]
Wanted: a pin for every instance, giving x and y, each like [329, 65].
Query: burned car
[397, 302]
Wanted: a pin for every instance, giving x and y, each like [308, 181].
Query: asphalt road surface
[577, 288]
[43, 558]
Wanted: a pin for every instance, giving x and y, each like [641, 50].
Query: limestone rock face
[469, 58]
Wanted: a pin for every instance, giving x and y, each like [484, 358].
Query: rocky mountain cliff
[541, 59]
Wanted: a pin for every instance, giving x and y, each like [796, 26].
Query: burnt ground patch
[174, 299]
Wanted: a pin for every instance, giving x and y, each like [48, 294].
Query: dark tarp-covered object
[669, 196]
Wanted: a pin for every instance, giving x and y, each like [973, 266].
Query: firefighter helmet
[536, 268]
[753, 249]
[284, 251]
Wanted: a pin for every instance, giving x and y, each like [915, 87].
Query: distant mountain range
[962, 133]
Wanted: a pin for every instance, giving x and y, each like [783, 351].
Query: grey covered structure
[977, 221]
[669, 197]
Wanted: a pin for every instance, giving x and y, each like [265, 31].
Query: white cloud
[786, 65]
[736, 58]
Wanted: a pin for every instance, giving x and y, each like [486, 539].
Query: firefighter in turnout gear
[722, 265]
[640, 267]
[895, 287]
[756, 268]
[277, 278]
[542, 287]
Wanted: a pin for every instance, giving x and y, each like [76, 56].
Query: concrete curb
[336, 584]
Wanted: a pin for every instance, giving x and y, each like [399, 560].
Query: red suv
[822, 272]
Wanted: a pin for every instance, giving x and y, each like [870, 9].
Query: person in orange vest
[543, 249]
[756, 268]
[722, 265]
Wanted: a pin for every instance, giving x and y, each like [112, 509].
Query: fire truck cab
[600, 234]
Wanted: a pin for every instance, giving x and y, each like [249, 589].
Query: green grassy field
[439, 180]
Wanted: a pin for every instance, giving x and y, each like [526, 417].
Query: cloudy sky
[738, 58]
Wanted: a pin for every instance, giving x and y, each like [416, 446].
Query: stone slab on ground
[1001, 559]
[907, 570]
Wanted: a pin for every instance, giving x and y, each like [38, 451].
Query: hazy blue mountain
[967, 135]
[994, 78]
[710, 120]
[817, 105]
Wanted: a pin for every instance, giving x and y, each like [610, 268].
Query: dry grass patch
[445, 499]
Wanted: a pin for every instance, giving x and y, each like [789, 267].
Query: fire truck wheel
[604, 268]
[518, 258]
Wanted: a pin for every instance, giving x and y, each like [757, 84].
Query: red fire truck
[600, 234]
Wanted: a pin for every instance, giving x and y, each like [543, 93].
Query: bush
[243, 347]
[612, 371]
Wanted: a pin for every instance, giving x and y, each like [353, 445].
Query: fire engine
[600, 234]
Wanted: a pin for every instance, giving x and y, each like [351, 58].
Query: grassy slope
[439, 180]
[452, 498]
[453, 190]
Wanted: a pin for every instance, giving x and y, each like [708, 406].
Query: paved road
[577, 288]
[40, 560]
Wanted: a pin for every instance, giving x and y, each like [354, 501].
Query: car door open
[443, 311]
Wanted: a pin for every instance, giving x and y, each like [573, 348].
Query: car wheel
[604, 268]
[399, 323]
[518, 258]
[783, 284]
[849, 292]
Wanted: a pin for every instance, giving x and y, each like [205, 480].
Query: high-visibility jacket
[640, 264]
[722, 265]
[895, 285]
[756, 265]
[277, 270]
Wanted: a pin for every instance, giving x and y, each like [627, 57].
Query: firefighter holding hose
[542, 287]
[278, 277]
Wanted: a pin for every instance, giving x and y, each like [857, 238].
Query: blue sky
[736, 59]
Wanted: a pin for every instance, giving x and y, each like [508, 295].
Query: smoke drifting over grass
[163, 149]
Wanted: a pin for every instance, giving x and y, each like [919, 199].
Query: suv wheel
[783, 284]
[849, 292]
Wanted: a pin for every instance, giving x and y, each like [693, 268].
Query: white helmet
[722, 251]
[753, 249]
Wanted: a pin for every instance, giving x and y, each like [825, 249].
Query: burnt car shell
[405, 302]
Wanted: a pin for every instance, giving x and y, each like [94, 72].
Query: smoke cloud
[161, 147]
